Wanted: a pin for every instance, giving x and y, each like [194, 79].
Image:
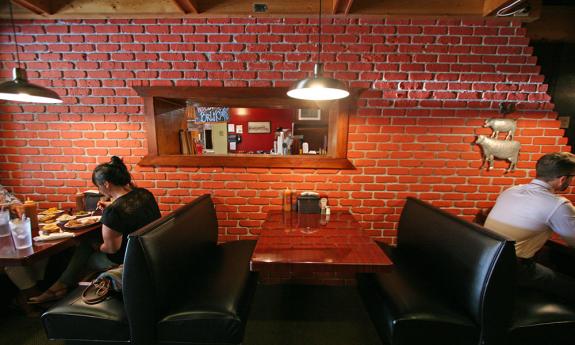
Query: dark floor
[281, 315]
[295, 314]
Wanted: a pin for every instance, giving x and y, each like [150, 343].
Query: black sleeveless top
[127, 214]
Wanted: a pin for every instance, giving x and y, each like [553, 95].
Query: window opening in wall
[268, 131]
[243, 127]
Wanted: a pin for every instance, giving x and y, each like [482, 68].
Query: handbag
[103, 286]
[98, 290]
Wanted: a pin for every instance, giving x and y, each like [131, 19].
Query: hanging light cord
[319, 35]
[14, 33]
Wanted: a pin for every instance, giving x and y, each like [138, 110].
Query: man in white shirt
[529, 214]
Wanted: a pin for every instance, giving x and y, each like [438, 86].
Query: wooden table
[10, 256]
[291, 242]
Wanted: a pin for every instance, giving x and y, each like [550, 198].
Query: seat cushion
[541, 319]
[72, 319]
[215, 307]
[406, 310]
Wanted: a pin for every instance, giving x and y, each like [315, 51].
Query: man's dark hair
[556, 164]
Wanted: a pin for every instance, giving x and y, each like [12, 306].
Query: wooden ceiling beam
[335, 6]
[188, 6]
[491, 6]
[39, 7]
[427, 8]
[88, 9]
[342, 6]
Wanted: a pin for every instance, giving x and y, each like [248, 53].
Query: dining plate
[81, 223]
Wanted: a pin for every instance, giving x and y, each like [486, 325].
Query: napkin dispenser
[308, 202]
[91, 199]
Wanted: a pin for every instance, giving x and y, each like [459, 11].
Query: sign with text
[212, 114]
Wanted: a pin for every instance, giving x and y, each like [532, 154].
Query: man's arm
[562, 221]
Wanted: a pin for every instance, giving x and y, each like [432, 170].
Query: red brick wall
[431, 84]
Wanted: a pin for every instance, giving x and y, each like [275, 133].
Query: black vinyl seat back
[156, 264]
[473, 265]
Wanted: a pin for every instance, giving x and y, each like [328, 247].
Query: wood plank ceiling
[80, 9]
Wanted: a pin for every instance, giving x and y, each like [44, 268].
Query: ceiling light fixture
[19, 89]
[318, 87]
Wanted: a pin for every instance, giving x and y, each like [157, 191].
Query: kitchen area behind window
[230, 130]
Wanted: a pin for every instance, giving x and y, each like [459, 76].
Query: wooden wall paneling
[169, 119]
[150, 126]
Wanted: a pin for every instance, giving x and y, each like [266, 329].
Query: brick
[445, 104]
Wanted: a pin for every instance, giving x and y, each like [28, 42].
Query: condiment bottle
[31, 211]
[80, 202]
[287, 200]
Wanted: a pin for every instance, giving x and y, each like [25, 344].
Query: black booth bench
[179, 287]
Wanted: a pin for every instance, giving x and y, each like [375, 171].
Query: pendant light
[318, 87]
[19, 89]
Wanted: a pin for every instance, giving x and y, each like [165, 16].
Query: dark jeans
[533, 275]
[85, 258]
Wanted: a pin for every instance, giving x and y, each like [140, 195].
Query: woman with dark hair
[129, 209]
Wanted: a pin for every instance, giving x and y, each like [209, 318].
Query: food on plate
[74, 223]
[81, 213]
[51, 210]
[44, 218]
[50, 228]
[65, 217]
[81, 222]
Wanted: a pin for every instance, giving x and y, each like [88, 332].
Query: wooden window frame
[160, 130]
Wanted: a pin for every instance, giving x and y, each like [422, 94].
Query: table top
[559, 244]
[315, 239]
[10, 256]
[557, 240]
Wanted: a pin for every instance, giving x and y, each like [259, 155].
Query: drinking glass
[21, 233]
[4, 223]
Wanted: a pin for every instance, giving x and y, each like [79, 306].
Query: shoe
[21, 304]
[49, 296]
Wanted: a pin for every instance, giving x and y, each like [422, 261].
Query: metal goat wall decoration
[502, 125]
[500, 149]
[493, 147]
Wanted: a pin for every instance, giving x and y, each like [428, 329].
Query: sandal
[49, 296]
[97, 291]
